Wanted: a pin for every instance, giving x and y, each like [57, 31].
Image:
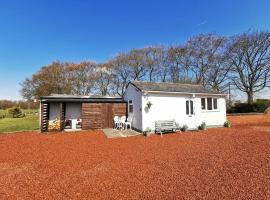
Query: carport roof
[80, 98]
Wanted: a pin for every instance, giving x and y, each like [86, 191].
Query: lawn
[30, 122]
[218, 163]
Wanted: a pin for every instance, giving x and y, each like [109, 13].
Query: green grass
[30, 122]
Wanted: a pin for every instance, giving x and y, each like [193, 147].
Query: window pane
[130, 106]
[191, 108]
[187, 107]
[203, 103]
[215, 103]
[209, 104]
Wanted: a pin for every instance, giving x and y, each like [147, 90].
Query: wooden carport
[97, 111]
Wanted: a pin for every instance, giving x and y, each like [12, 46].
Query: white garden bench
[165, 126]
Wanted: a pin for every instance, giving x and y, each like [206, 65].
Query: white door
[190, 113]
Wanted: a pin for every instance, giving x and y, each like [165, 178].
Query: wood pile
[54, 125]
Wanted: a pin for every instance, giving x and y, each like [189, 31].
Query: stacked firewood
[54, 125]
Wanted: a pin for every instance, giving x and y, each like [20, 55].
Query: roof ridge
[169, 83]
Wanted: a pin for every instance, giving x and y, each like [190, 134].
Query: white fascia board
[189, 93]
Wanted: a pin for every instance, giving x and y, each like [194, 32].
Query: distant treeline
[5, 104]
[207, 59]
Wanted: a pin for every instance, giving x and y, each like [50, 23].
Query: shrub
[227, 124]
[16, 112]
[2, 115]
[147, 131]
[202, 126]
[184, 128]
[260, 105]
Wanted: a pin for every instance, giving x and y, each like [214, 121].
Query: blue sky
[33, 33]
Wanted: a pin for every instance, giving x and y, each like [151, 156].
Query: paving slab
[115, 133]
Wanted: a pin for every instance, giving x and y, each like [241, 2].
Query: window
[130, 106]
[203, 104]
[215, 104]
[209, 104]
[189, 107]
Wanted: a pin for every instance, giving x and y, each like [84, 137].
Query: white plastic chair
[116, 122]
[122, 121]
[128, 122]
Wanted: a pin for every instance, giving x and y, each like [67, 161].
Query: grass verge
[30, 122]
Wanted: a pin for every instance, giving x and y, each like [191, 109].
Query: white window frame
[206, 104]
[130, 104]
[189, 113]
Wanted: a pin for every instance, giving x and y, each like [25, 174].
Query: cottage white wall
[213, 117]
[164, 107]
[135, 95]
[173, 106]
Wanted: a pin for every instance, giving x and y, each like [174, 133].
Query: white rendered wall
[165, 107]
[168, 107]
[135, 95]
[73, 112]
[212, 117]
[54, 112]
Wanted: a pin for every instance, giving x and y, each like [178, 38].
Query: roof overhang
[52, 99]
[184, 93]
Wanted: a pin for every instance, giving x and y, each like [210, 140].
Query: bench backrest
[165, 123]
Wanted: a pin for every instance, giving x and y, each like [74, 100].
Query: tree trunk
[250, 96]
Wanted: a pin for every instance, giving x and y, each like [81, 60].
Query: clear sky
[33, 33]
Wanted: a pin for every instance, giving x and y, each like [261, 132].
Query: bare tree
[180, 63]
[82, 77]
[136, 61]
[122, 73]
[105, 78]
[204, 49]
[153, 62]
[50, 79]
[249, 56]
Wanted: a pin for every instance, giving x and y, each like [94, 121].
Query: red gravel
[215, 164]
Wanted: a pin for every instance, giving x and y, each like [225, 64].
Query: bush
[147, 131]
[2, 115]
[227, 124]
[203, 126]
[260, 105]
[184, 128]
[16, 112]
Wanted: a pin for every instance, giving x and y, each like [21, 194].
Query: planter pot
[146, 134]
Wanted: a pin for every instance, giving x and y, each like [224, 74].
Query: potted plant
[147, 131]
[227, 124]
[184, 128]
[149, 104]
[203, 126]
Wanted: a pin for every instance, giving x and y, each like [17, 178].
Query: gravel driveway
[215, 164]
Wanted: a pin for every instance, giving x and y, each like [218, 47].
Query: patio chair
[128, 122]
[116, 122]
[122, 121]
[68, 124]
[79, 123]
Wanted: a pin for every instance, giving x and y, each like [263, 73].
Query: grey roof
[80, 98]
[172, 87]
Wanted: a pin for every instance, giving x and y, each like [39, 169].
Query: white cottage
[187, 104]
